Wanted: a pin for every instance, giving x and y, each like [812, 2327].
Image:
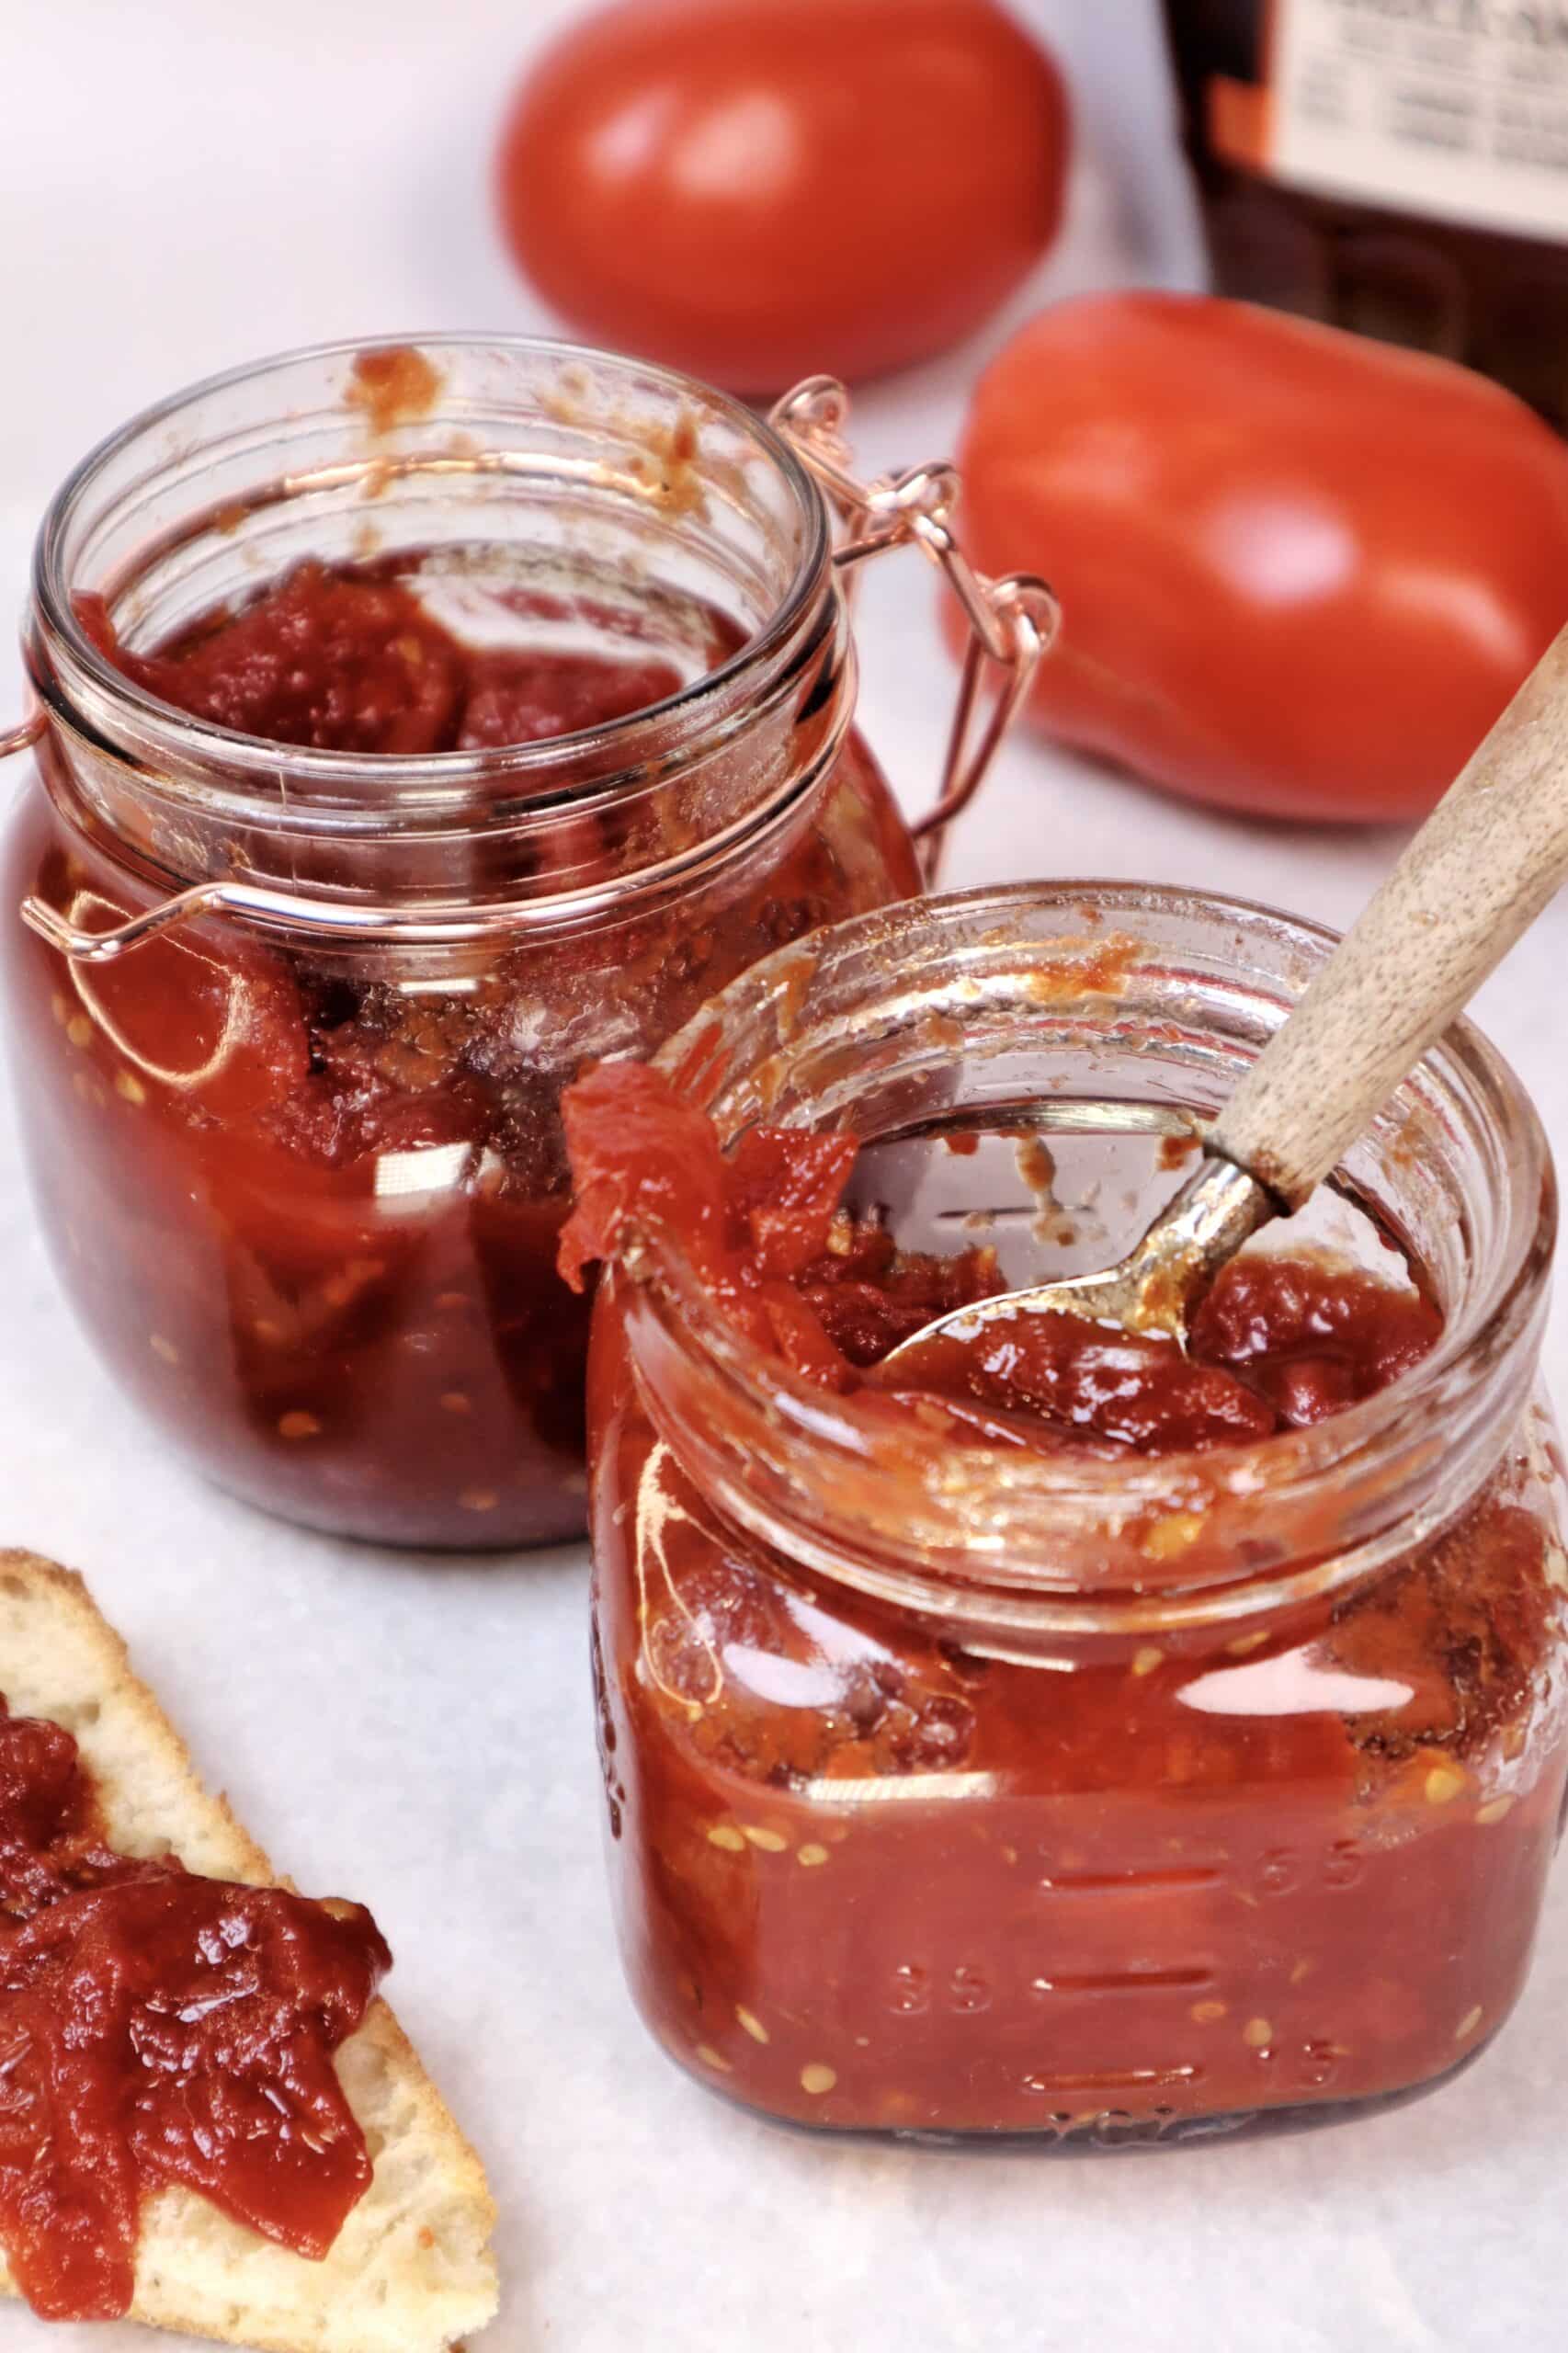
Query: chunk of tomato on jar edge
[1301, 572]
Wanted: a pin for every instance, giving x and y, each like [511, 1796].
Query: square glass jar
[977, 1793]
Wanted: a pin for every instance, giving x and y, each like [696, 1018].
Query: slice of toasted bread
[410, 2272]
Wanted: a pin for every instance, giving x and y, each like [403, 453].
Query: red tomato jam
[160, 2030]
[307, 1205]
[868, 1878]
[351, 659]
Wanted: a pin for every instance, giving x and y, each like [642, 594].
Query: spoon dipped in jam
[1482, 867]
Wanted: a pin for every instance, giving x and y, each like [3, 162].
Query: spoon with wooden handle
[1475, 877]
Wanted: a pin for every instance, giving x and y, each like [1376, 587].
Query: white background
[187, 185]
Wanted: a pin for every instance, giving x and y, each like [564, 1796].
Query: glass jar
[293, 1141]
[993, 1792]
[1399, 170]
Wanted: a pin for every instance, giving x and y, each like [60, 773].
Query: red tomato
[1300, 573]
[755, 190]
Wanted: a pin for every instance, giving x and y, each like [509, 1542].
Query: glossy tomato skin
[1302, 573]
[756, 189]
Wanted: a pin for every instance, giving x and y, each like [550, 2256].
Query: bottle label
[1457, 108]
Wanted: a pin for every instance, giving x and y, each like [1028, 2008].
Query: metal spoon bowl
[1481, 868]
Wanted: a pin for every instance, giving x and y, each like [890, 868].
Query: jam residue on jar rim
[665, 437]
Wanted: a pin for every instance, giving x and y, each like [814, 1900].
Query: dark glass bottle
[1395, 166]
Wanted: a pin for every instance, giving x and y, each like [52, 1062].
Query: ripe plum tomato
[1301, 574]
[756, 189]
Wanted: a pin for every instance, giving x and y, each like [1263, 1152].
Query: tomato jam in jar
[1067, 1740]
[457, 716]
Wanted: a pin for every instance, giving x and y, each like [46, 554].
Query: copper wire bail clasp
[1013, 620]
[26, 731]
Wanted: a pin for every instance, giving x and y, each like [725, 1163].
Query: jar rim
[996, 1515]
[423, 782]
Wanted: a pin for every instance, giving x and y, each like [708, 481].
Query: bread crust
[412, 2271]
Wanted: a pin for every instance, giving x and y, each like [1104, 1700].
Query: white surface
[185, 185]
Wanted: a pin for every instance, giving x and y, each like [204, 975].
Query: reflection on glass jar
[967, 1790]
[298, 1155]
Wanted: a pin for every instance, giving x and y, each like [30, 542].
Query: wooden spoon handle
[1477, 875]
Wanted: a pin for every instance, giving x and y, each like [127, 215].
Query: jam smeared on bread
[100, 1796]
[158, 2028]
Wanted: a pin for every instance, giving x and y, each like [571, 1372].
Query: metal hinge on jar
[18, 738]
[1013, 622]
